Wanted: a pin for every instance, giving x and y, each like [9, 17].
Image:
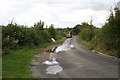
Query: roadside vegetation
[15, 36]
[105, 39]
[17, 63]
[20, 44]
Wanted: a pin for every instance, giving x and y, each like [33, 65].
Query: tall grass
[43, 45]
[87, 44]
[98, 47]
[17, 63]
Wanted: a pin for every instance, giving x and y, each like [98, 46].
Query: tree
[85, 34]
[52, 31]
[77, 29]
[111, 32]
[39, 25]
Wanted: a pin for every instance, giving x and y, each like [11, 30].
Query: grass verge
[17, 64]
[97, 47]
[87, 44]
[52, 43]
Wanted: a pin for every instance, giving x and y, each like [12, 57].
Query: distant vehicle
[68, 35]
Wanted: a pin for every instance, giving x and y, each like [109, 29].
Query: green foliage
[52, 31]
[108, 36]
[87, 44]
[85, 24]
[66, 31]
[85, 34]
[111, 31]
[47, 36]
[9, 43]
[15, 36]
[77, 29]
[17, 64]
[97, 36]
[39, 25]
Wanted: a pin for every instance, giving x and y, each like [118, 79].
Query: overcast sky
[61, 13]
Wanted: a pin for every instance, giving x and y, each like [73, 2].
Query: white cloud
[62, 13]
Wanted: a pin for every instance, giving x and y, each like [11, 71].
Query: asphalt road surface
[79, 62]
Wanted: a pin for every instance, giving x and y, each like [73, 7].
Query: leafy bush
[14, 35]
[9, 43]
[111, 32]
[85, 34]
[97, 36]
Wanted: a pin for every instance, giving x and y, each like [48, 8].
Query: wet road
[79, 62]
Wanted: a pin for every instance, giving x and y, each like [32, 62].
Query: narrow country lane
[79, 62]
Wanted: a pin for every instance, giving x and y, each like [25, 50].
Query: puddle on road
[63, 48]
[52, 63]
[54, 69]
